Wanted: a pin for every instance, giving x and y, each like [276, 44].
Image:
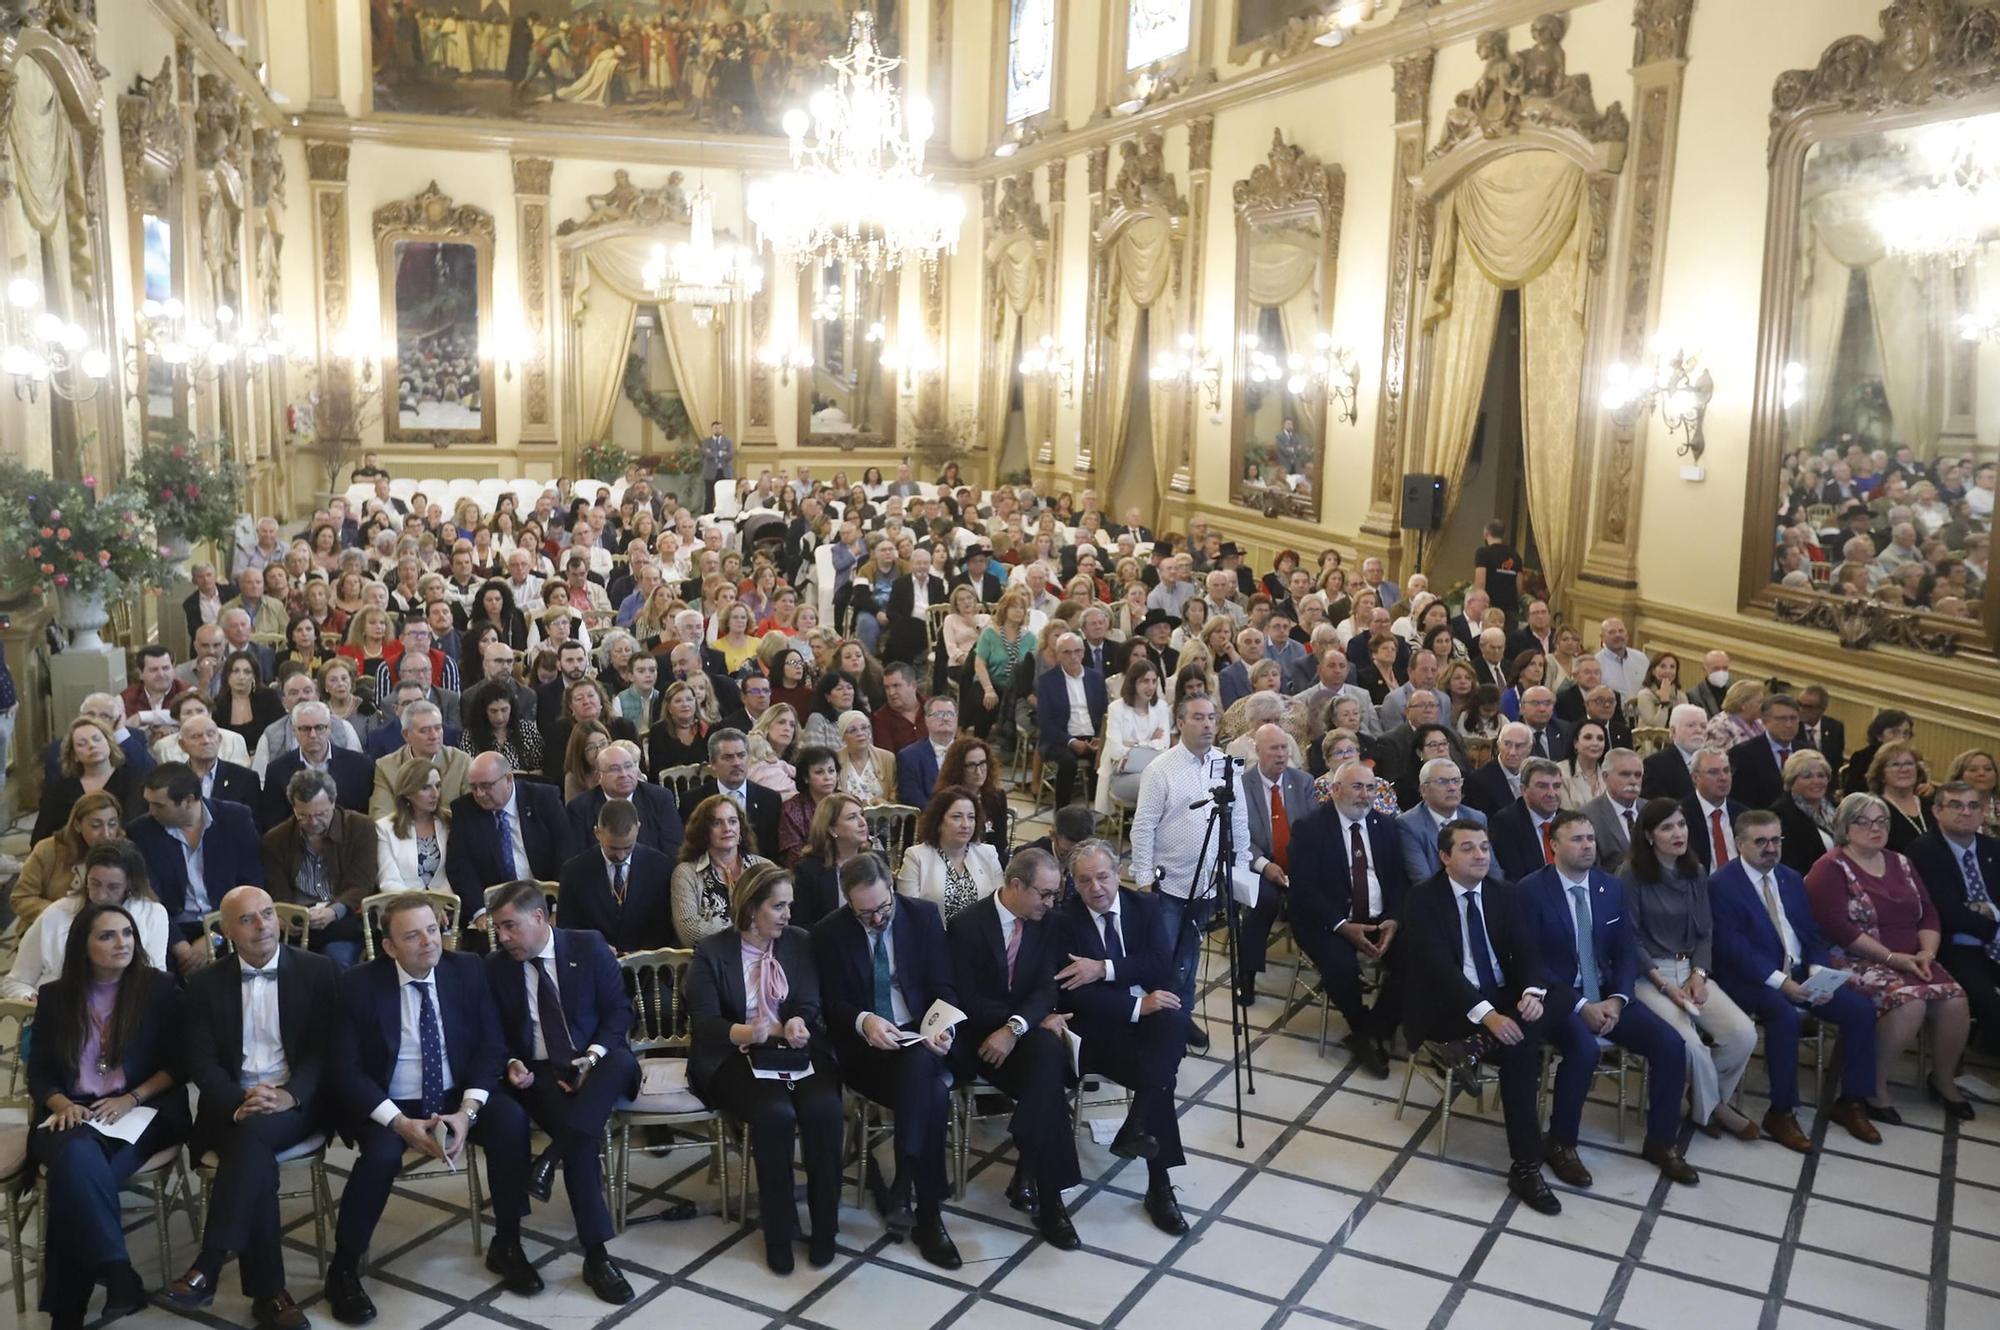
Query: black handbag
[780, 1059]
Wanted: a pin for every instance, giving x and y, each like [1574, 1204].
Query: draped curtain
[1284, 275]
[610, 289]
[47, 240]
[1141, 260]
[1015, 265]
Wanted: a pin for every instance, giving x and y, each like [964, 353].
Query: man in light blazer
[1443, 789]
[1276, 796]
[423, 741]
[1614, 814]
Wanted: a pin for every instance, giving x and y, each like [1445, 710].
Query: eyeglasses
[870, 916]
[1869, 823]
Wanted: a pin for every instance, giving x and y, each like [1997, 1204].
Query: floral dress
[429, 859]
[959, 890]
[1891, 909]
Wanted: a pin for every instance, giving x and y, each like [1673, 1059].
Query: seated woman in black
[103, 1046]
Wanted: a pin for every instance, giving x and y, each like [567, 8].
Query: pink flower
[194, 491]
[48, 568]
[90, 482]
[48, 533]
[55, 514]
[177, 451]
[166, 553]
[62, 579]
[62, 534]
[166, 496]
[34, 551]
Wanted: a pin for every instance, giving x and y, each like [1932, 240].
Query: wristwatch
[1017, 1025]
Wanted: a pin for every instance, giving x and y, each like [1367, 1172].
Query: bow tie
[249, 975]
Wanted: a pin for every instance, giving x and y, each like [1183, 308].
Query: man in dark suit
[1819, 730]
[1155, 631]
[1276, 797]
[618, 781]
[729, 767]
[882, 962]
[206, 587]
[1003, 965]
[201, 741]
[503, 830]
[1521, 834]
[353, 773]
[1497, 784]
[430, 1104]
[908, 623]
[1466, 625]
[1117, 994]
[1475, 983]
[1348, 907]
[1537, 631]
[255, 1046]
[563, 1015]
[917, 764]
[1601, 705]
[1548, 737]
[1766, 946]
[221, 837]
[572, 666]
[1589, 949]
[1666, 773]
[1071, 733]
[1586, 674]
[1710, 811]
[1961, 868]
[979, 575]
[1759, 762]
[620, 887]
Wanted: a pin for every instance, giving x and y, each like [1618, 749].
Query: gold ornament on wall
[1531, 87]
[627, 202]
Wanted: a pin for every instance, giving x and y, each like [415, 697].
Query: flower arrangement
[681, 461]
[604, 461]
[186, 493]
[62, 535]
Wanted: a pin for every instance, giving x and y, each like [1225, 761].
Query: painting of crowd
[734, 65]
[437, 382]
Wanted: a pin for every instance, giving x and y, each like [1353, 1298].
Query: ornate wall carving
[1290, 175]
[327, 162]
[1642, 250]
[149, 133]
[1660, 30]
[433, 211]
[531, 190]
[760, 375]
[326, 169]
[627, 202]
[1928, 49]
[1143, 180]
[1861, 624]
[1531, 87]
[1412, 93]
[267, 167]
[1413, 85]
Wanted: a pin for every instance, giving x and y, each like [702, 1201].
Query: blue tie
[1482, 953]
[506, 845]
[1114, 948]
[885, 1001]
[430, 1041]
[1976, 892]
[1586, 944]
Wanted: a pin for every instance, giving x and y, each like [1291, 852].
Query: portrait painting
[727, 66]
[439, 385]
[1258, 19]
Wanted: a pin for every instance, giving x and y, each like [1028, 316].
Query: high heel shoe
[1953, 1108]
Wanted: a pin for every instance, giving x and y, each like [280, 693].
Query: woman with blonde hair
[679, 737]
[1741, 716]
[410, 842]
[866, 771]
[839, 834]
[1979, 769]
[586, 741]
[656, 617]
[91, 761]
[1003, 645]
[54, 868]
[771, 742]
[368, 636]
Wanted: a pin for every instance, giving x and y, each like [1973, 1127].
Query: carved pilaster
[531, 214]
[1660, 30]
[760, 376]
[326, 171]
[1201, 143]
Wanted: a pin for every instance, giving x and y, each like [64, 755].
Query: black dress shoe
[1164, 1210]
[542, 1177]
[1663, 1156]
[1368, 1055]
[1134, 1141]
[279, 1312]
[1953, 1108]
[606, 1280]
[819, 1248]
[349, 1301]
[1246, 997]
[1564, 1163]
[1884, 1114]
[1022, 1195]
[125, 1294]
[1053, 1222]
[1197, 1038]
[935, 1244]
[517, 1273]
[778, 1255]
[1528, 1183]
[192, 1290]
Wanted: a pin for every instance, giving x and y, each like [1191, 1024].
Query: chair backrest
[550, 890]
[294, 928]
[1649, 739]
[682, 779]
[17, 1018]
[894, 829]
[1821, 517]
[656, 981]
[446, 904]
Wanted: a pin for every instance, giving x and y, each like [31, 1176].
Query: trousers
[911, 1083]
[84, 1170]
[243, 1198]
[1640, 1031]
[1035, 1076]
[575, 1126]
[501, 1135]
[779, 1115]
[1848, 1011]
[1713, 1073]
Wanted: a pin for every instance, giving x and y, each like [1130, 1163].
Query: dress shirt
[1625, 673]
[1079, 707]
[1788, 938]
[1168, 843]
[263, 1043]
[899, 1009]
[406, 1078]
[207, 608]
[207, 779]
[741, 794]
[531, 975]
[197, 903]
[920, 595]
[1513, 781]
[1110, 919]
[1009, 926]
[517, 843]
[1482, 1009]
[310, 880]
[1347, 826]
[1708, 812]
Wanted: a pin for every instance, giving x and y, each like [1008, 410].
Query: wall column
[326, 173]
[1194, 249]
[323, 52]
[531, 218]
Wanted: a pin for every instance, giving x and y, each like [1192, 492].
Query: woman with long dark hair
[495, 605]
[839, 834]
[491, 724]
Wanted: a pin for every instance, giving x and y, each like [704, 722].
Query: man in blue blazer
[1338, 922]
[353, 776]
[1068, 740]
[227, 853]
[1960, 867]
[619, 887]
[419, 996]
[1117, 994]
[618, 777]
[1520, 831]
[1441, 786]
[564, 1015]
[1588, 948]
[503, 830]
[917, 764]
[1766, 944]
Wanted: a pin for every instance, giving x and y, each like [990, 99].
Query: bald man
[502, 830]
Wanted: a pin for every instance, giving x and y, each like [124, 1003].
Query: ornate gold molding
[1929, 50]
[531, 188]
[1861, 623]
[1058, 180]
[326, 163]
[1413, 85]
[1532, 87]
[433, 216]
[627, 202]
[71, 22]
[1289, 176]
[149, 136]
[1016, 209]
[531, 175]
[267, 167]
[1201, 142]
[1143, 181]
[1660, 30]
[218, 122]
[1412, 93]
[433, 213]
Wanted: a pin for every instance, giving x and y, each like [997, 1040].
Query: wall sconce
[912, 361]
[511, 347]
[40, 348]
[1676, 383]
[1336, 369]
[1193, 367]
[200, 352]
[785, 357]
[1052, 365]
[1341, 23]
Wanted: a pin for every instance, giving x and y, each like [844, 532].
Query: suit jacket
[1517, 846]
[1698, 830]
[1803, 842]
[368, 1031]
[238, 784]
[351, 858]
[1524, 639]
[659, 820]
[644, 921]
[230, 855]
[1323, 896]
[191, 606]
[1439, 995]
[979, 973]
[1101, 1008]
[1759, 783]
[1937, 862]
[1107, 657]
[764, 806]
[1617, 949]
[989, 589]
[716, 1000]
[1557, 737]
[595, 1007]
[472, 858]
[916, 773]
[212, 1047]
[1666, 776]
[1487, 790]
[353, 779]
[1747, 946]
[1052, 707]
[1419, 827]
[1832, 740]
[907, 629]
[153, 1047]
[454, 763]
[842, 955]
[1614, 843]
[1295, 787]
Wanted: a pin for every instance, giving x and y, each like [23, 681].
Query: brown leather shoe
[278, 1312]
[1853, 1115]
[192, 1290]
[1782, 1127]
[1748, 1131]
[1668, 1160]
[1563, 1162]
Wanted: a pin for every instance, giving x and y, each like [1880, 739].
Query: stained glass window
[1031, 58]
[1156, 29]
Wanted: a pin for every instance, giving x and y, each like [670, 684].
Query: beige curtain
[1016, 266]
[1822, 314]
[38, 135]
[1141, 261]
[1284, 275]
[1910, 301]
[1552, 323]
[610, 289]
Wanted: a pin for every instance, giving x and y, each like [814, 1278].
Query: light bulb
[24, 293]
[95, 364]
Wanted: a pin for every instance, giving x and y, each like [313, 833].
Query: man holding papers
[882, 964]
[1771, 960]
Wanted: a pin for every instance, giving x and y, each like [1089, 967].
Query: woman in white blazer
[411, 841]
[949, 865]
[1138, 718]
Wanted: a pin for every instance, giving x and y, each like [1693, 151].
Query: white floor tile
[1079, 1283]
[1843, 1229]
[1655, 1301]
[1480, 1310]
[1231, 1254]
[1182, 1304]
[1679, 1247]
[1376, 1295]
[873, 1296]
[1543, 1270]
[1866, 1292]
[1435, 1243]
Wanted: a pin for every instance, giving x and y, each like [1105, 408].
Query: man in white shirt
[1624, 665]
[522, 583]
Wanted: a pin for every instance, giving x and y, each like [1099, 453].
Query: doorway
[1494, 484]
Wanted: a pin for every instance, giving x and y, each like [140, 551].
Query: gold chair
[682, 779]
[550, 890]
[294, 928]
[1615, 1064]
[1650, 739]
[1440, 1070]
[16, 1110]
[656, 981]
[446, 903]
[894, 829]
[309, 1154]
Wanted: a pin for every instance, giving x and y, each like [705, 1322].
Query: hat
[1229, 551]
[978, 552]
[1857, 507]
[1158, 615]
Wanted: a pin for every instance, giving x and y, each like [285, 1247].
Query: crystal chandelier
[856, 192]
[699, 273]
[1950, 214]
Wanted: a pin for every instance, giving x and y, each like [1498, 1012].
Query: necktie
[1013, 951]
[618, 882]
[249, 975]
[1628, 826]
[501, 820]
[1548, 844]
[1586, 943]
[1281, 830]
[1784, 755]
[1541, 746]
[1773, 907]
[1357, 874]
[1114, 949]
[885, 1002]
[430, 1045]
[1482, 953]
[555, 1027]
[1718, 840]
[1976, 892]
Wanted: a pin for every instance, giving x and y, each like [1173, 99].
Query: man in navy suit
[1759, 762]
[1961, 869]
[1667, 772]
[1070, 702]
[1766, 945]
[1817, 730]
[1548, 737]
[618, 778]
[620, 887]
[882, 962]
[419, 1052]
[1493, 786]
[917, 764]
[201, 740]
[503, 830]
[220, 838]
[353, 774]
[1520, 832]
[729, 773]
[1710, 811]
[564, 1015]
[1441, 787]
[1589, 949]
[1118, 996]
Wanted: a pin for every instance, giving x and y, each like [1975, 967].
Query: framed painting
[726, 66]
[436, 264]
[1259, 20]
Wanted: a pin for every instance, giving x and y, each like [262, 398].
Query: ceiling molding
[563, 143]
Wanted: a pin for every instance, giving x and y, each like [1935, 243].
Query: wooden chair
[549, 892]
[16, 1110]
[446, 904]
[656, 981]
[682, 779]
[294, 928]
[894, 829]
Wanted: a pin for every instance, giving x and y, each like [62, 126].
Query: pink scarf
[768, 996]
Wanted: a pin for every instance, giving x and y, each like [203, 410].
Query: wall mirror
[436, 263]
[1287, 241]
[150, 133]
[847, 315]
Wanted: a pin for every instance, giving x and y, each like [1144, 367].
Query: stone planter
[177, 549]
[83, 613]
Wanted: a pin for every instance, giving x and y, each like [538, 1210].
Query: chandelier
[856, 192]
[699, 273]
[1948, 215]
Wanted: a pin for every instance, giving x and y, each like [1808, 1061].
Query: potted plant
[604, 461]
[192, 491]
[62, 536]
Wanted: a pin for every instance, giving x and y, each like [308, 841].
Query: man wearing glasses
[1442, 787]
[1961, 868]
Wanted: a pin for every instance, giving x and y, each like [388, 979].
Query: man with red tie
[1275, 795]
[1521, 832]
[1710, 811]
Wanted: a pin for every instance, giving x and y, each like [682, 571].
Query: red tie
[1717, 840]
[1281, 831]
[1548, 845]
[1357, 873]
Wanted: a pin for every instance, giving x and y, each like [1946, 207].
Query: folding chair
[309, 1154]
[550, 890]
[294, 928]
[681, 779]
[656, 981]
[894, 828]
[16, 1109]
[1441, 1071]
[1615, 1064]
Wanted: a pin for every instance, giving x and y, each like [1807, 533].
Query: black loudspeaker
[1423, 503]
